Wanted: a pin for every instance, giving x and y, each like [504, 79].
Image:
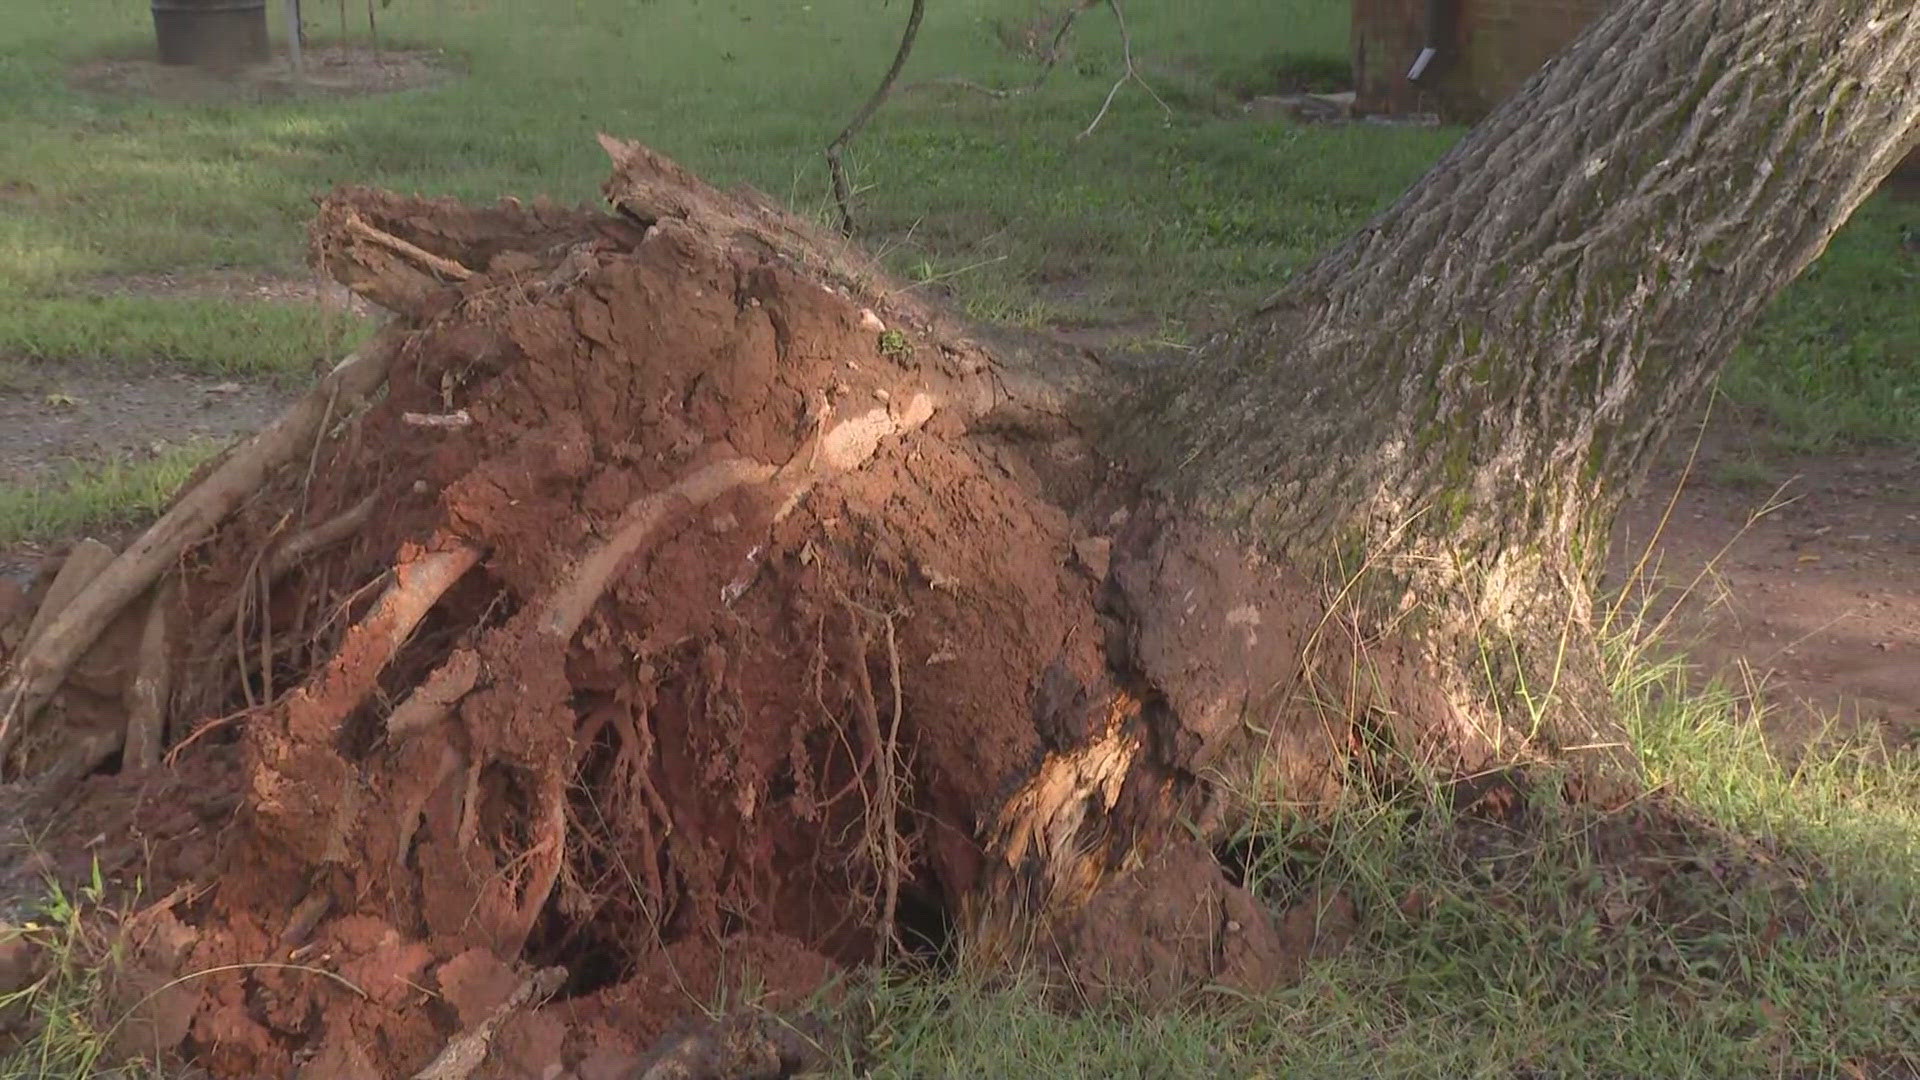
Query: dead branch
[1048, 61]
[37, 672]
[445, 267]
[84, 563]
[1129, 73]
[842, 192]
[463, 1056]
[152, 683]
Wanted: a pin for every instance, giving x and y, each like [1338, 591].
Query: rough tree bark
[1431, 428]
[1460, 394]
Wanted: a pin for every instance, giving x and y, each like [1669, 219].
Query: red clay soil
[754, 750]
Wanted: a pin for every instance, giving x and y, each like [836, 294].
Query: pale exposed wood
[84, 563]
[151, 685]
[445, 267]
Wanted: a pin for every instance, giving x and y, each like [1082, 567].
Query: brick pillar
[1493, 47]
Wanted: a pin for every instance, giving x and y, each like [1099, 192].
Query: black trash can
[223, 35]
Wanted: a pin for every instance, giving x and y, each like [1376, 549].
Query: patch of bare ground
[229, 285]
[329, 70]
[1796, 573]
[54, 416]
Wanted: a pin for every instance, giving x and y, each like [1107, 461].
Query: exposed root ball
[740, 628]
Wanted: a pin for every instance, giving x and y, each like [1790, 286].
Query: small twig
[958, 83]
[1048, 61]
[1059, 35]
[842, 191]
[1126, 54]
[445, 267]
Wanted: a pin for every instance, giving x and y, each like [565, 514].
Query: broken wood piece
[148, 692]
[441, 265]
[38, 671]
[459, 418]
[462, 1057]
[84, 563]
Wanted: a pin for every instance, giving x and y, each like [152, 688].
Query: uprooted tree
[664, 576]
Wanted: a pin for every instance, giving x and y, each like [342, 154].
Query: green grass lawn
[1157, 224]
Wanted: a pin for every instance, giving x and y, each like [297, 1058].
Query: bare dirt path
[53, 417]
[1816, 599]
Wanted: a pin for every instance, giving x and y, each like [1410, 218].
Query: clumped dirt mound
[689, 611]
[718, 749]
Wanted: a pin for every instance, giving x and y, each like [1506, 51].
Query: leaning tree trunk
[1427, 434]
[1456, 399]
[685, 582]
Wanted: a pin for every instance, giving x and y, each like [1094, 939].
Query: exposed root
[38, 671]
[884, 803]
[445, 267]
[464, 1055]
[84, 563]
[152, 684]
[433, 699]
[324, 535]
[569, 604]
[316, 710]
